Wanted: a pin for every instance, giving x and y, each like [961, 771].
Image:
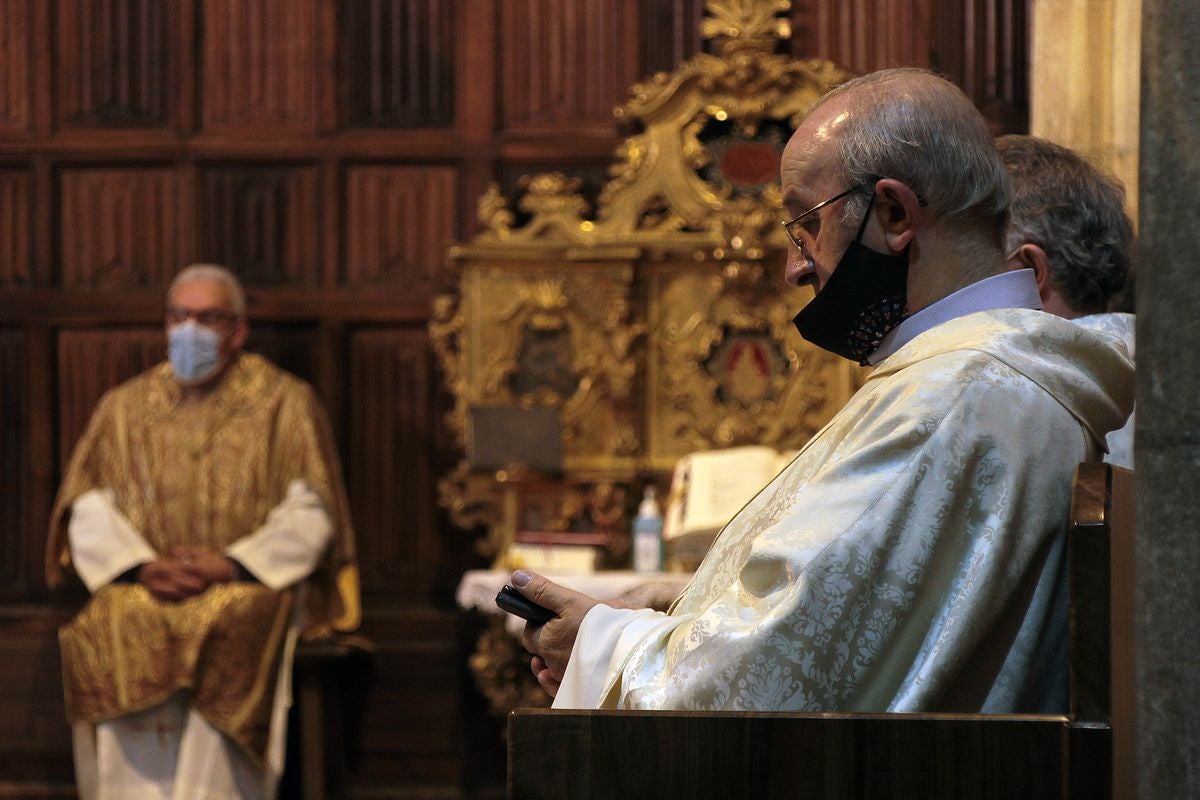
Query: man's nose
[799, 265]
[800, 257]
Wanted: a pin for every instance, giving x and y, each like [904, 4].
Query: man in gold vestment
[204, 510]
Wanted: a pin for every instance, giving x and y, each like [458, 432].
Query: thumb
[544, 591]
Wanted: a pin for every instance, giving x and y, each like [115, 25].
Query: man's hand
[170, 580]
[185, 572]
[207, 565]
[551, 643]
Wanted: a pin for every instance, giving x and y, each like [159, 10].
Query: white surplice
[909, 558]
[170, 752]
[1121, 327]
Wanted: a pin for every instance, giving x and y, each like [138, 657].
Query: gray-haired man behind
[1067, 222]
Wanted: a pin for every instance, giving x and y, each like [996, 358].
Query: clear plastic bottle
[647, 534]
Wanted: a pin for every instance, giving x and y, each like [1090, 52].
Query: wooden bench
[625, 755]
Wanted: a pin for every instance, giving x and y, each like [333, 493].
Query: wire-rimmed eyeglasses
[791, 225]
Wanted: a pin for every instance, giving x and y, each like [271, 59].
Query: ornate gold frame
[670, 269]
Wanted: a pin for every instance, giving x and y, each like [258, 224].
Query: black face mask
[862, 301]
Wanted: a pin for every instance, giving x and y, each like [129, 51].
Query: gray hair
[914, 126]
[1075, 213]
[217, 274]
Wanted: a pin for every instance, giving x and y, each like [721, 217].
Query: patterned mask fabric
[862, 301]
[194, 351]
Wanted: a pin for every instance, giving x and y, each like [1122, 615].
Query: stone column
[1167, 559]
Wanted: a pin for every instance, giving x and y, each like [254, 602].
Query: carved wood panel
[565, 63]
[417, 679]
[118, 228]
[13, 476]
[15, 218]
[259, 63]
[90, 362]
[34, 735]
[261, 222]
[863, 36]
[290, 346]
[399, 62]
[16, 34]
[399, 221]
[112, 65]
[983, 46]
[388, 471]
[670, 33]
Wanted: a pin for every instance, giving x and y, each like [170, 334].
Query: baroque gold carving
[658, 325]
[488, 341]
[501, 669]
[654, 196]
[507, 306]
[726, 366]
[752, 24]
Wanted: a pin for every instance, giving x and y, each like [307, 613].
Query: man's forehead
[201, 293]
[810, 159]
[806, 171]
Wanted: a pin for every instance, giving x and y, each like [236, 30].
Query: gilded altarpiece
[657, 323]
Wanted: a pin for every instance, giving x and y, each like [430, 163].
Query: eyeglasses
[793, 226]
[208, 317]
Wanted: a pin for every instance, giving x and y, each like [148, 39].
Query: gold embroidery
[127, 651]
[202, 473]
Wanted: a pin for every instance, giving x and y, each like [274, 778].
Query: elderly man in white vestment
[203, 508]
[910, 558]
[1067, 222]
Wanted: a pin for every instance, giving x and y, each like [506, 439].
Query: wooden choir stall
[1085, 754]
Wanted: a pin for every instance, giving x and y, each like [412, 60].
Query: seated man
[909, 558]
[1067, 223]
[204, 510]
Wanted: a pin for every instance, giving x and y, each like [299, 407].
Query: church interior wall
[328, 152]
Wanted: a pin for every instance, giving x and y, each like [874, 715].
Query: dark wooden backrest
[1090, 565]
[626, 755]
[621, 754]
[1101, 559]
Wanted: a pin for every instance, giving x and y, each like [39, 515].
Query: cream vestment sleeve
[282, 551]
[103, 542]
[287, 547]
[607, 637]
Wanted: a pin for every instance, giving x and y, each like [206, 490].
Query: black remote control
[514, 602]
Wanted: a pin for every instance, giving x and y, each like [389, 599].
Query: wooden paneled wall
[327, 151]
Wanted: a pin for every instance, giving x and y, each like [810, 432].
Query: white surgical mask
[194, 350]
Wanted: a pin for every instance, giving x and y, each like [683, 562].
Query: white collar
[1015, 289]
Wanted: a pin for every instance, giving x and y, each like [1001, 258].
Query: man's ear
[1032, 256]
[241, 330]
[899, 211]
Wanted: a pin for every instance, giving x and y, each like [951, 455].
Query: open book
[707, 489]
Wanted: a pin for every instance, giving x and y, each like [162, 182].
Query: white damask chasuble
[909, 559]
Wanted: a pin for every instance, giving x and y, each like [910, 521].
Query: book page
[711, 486]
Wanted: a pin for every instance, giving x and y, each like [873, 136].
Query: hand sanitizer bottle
[647, 534]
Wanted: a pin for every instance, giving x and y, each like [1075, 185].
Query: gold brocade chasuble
[199, 473]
